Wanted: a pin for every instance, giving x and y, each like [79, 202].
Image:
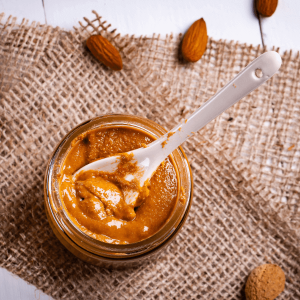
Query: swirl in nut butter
[96, 202]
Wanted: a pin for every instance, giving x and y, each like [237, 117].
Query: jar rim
[69, 229]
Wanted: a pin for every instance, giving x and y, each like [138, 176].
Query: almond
[105, 52]
[266, 7]
[194, 41]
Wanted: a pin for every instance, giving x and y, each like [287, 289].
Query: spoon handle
[255, 74]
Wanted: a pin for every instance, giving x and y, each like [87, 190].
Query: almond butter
[266, 7]
[105, 52]
[194, 41]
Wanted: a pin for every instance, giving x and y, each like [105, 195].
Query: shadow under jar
[91, 249]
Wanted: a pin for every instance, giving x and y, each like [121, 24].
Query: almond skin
[105, 52]
[265, 282]
[194, 41]
[266, 7]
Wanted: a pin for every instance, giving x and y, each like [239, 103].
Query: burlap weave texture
[246, 163]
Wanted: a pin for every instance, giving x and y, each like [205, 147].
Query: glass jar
[88, 248]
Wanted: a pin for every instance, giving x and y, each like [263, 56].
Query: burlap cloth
[246, 163]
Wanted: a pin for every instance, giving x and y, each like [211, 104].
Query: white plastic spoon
[148, 159]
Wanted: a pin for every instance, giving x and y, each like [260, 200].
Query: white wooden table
[230, 20]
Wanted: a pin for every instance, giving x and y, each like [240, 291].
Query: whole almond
[266, 7]
[265, 282]
[105, 52]
[194, 41]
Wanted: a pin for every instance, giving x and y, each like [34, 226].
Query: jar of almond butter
[90, 216]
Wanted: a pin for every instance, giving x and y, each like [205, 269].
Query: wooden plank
[231, 20]
[13, 287]
[282, 28]
[32, 10]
